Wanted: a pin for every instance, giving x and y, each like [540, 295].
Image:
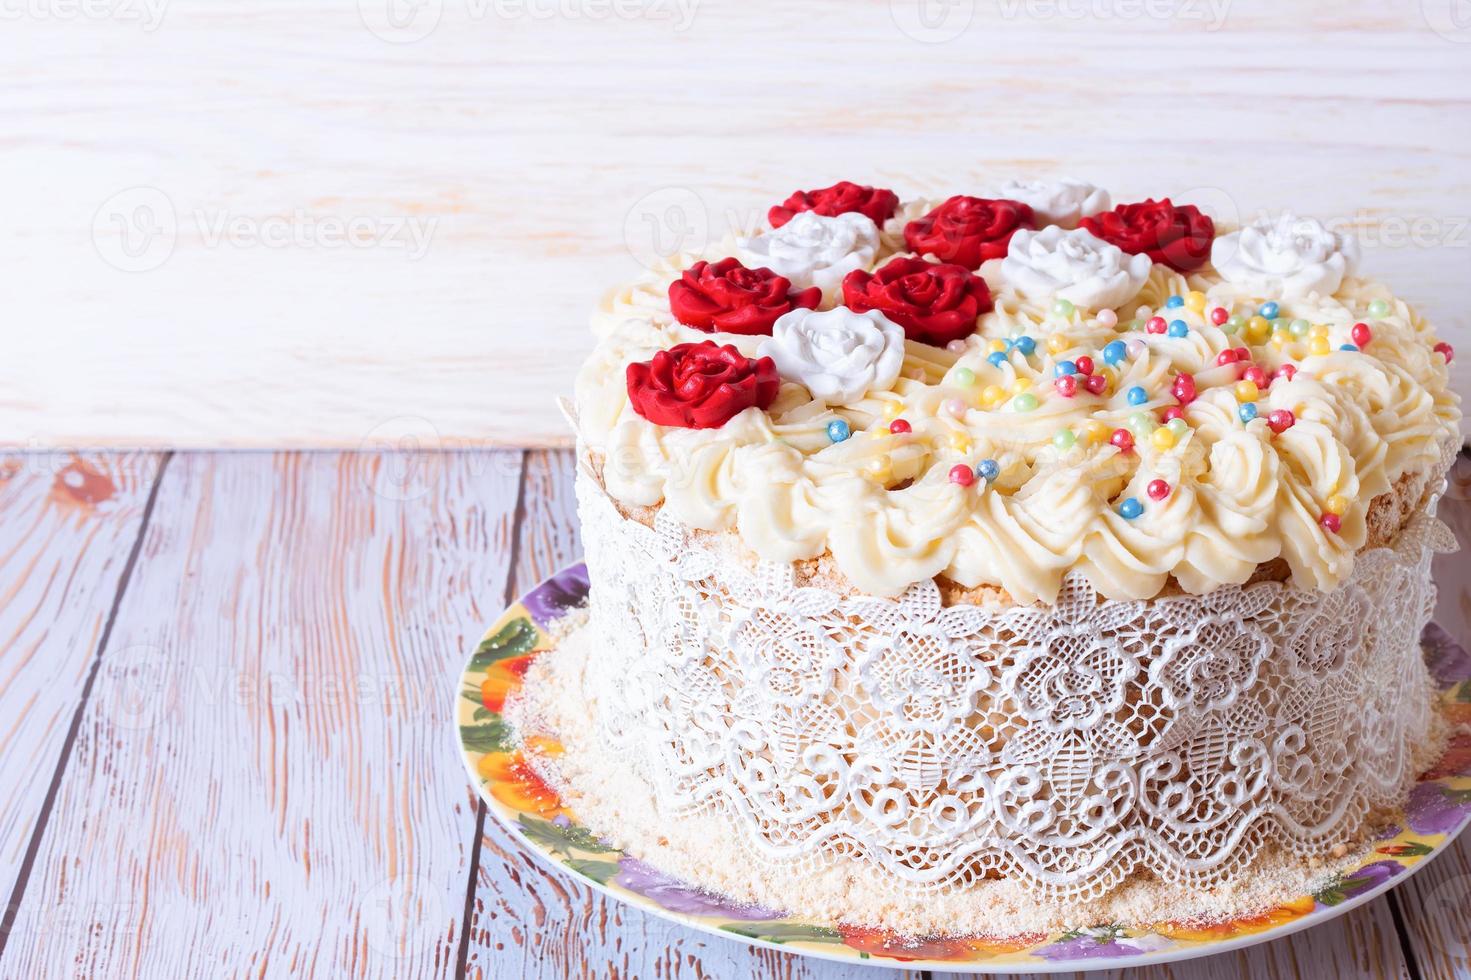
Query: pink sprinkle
[1172, 413]
[1067, 385]
[956, 346]
[1108, 318]
[1330, 523]
[1095, 383]
[1158, 489]
[962, 475]
[954, 406]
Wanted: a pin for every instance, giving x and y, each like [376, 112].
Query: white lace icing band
[1069, 745]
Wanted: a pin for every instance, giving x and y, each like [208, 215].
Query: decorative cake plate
[1439, 807]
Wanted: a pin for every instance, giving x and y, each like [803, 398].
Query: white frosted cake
[1014, 537]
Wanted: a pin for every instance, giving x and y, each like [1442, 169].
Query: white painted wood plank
[532, 923]
[539, 154]
[266, 779]
[67, 526]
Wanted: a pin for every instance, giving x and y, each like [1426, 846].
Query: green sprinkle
[1024, 402]
[1064, 439]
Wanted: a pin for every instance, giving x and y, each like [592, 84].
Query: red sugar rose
[727, 296]
[1179, 237]
[876, 203]
[968, 230]
[934, 303]
[700, 386]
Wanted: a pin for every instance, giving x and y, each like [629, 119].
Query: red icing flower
[700, 386]
[968, 230]
[878, 204]
[1179, 237]
[727, 296]
[935, 304]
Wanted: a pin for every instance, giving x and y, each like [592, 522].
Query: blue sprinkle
[1063, 368]
[1178, 328]
[1348, 347]
[1174, 302]
[1130, 508]
[1137, 395]
[838, 430]
[988, 469]
[1268, 311]
[1115, 351]
[1247, 411]
[996, 358]
[1026, 345]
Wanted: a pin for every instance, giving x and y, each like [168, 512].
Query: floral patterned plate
[1440, 805]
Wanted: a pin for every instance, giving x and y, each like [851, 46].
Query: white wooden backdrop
[383, 222]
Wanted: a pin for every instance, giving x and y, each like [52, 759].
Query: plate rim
[1181, 950]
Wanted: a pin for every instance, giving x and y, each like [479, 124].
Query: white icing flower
[1289, 256]
[1073, 265]
[837, 354]
[814, 250]
[1057, 202]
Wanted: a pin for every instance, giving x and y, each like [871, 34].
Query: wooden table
[226, 684]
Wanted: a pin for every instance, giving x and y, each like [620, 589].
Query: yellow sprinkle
[1319, 330]
[880, 467]
[1195, 300]
[1109, 374]
[1162, 438]
[959, 441]
[1257, 329]
[892, 409]
[1247, 391]
[1057, 343]
[998, 346]
[1096, 431]
[1320, 345]
[1336, 504]
[1020, 385]
[1280, 340]
[992, 395]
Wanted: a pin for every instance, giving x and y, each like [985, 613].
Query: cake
[1019, 538]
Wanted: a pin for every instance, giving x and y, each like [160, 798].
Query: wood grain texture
[524, 155]
[533, 923]
[266, 779]
[67, 526]
[1437, 901]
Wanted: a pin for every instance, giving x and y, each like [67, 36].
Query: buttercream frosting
[882, 505]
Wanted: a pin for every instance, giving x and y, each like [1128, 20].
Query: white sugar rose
[837, 354]
[814, 250]
[1073, 265]
[1057, 202]
[1289, 256]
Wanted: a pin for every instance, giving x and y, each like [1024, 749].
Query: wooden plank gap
[512, 590]
[12, 907]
